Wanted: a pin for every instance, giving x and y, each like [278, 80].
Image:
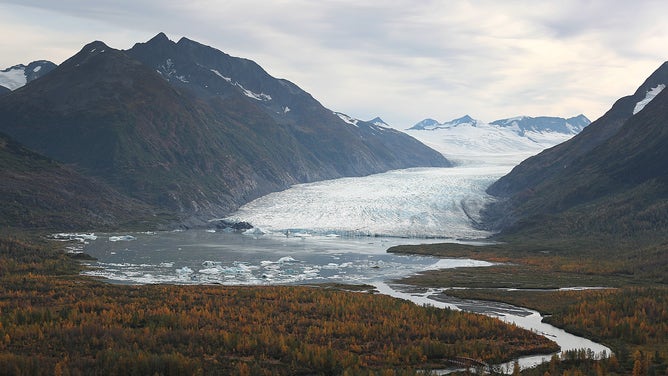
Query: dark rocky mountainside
[38, 192]
[155, 136]
[337, 148]
[610, 180]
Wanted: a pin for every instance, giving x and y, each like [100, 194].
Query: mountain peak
[541, 124]
[466, 119]
[378, 121]
[159, 38]
[431, 124]
[95, 46]
[425, 124]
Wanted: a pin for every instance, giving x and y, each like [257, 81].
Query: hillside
[38, 193]
[196, 153]
[608, 182]
[554, 160]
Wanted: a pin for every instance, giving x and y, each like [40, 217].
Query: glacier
[418, 202]
[414, 203]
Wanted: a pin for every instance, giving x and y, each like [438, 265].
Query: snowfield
[13, 78]
[418, 202]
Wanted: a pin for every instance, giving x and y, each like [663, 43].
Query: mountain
[540, 124]
[504, 141]
[38, 192]
[379, 122]
[431, 124]
[610, 180]
[181, 137]
[17, 76]
[338, 148]
[554, 160]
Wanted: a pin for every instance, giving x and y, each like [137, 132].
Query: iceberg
[121, 238]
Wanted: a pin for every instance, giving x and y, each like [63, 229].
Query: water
[522, 317]
[202, 257]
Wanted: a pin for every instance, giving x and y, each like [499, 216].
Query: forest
[55, 322]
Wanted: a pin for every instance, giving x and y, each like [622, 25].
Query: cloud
[403, 60]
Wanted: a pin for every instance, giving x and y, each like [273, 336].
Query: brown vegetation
[51, 324]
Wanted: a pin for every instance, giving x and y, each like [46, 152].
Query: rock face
[186, 128]
[611, 179]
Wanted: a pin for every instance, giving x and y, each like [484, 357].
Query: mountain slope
[40, 193]
[552, 161]
[613, 184]
[182, 148]
[331, 143]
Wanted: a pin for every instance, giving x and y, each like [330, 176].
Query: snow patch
[347, 119]
[651, 94]
[221, 76]
[246, 92]
[167, 70]
[13, 78]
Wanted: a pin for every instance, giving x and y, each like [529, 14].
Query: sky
[402, 60]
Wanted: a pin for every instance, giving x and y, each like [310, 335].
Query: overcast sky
[403, 60]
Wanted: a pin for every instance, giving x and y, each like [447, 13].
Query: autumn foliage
[62, 325]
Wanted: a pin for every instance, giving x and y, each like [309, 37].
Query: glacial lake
[204, 257]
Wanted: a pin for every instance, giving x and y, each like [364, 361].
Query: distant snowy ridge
[431, 124]
[519, 123]
[541, 124]
[18, 75]
[14, 77]
[510, 140]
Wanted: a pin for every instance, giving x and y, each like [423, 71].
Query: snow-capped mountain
[523, 124]
[14, 77]
[188, 129]
[431, 124]
[379, 122]
[508, 140]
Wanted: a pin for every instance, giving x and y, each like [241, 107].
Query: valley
[148, 150]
